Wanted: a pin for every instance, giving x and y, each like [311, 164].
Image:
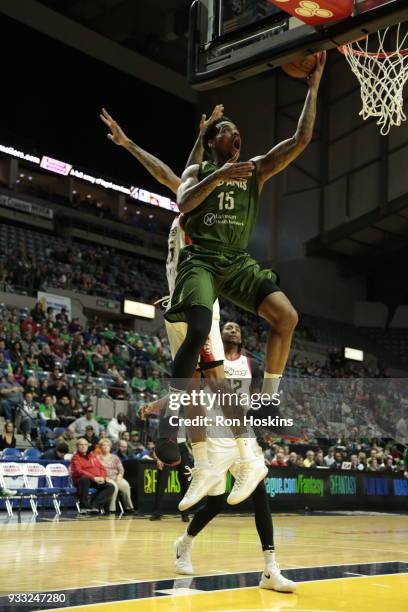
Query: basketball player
[220, 202]
[224, 456]
[212, 354]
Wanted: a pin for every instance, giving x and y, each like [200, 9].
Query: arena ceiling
[154, 28]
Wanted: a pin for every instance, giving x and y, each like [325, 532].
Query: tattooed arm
[278, 158]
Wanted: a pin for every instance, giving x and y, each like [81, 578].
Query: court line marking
[179, 576]
[119, 601]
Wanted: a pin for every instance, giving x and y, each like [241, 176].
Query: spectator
[329, 458]
[70, 440]
[299, 461]
[372, 465]
[338, 461]
[8, 439]
[115, 472]
[47, 414]
[58, 453]
[123, 451]
[88, 472]
[138, 382]
[116, 426]
[309, 460]
[355, 465]
[134, 440]
[29, 416]
[58, 388]
[90, 437]
[37, 313]
[153, 382]
[388, 465]
[45, 360]
[292, 459]
[279, 459]
[79, 426]
[63, 411]
[319, 460]
[12, 396]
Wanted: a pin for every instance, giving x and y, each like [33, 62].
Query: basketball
[301, 67]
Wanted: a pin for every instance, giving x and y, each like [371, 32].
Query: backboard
[235, 39]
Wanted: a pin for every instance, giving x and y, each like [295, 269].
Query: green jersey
[228, 215]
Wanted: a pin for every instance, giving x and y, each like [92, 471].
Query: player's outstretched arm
[197, 154]
[158, 169]
[287, 151]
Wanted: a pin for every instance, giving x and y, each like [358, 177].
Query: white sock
[269, 557]
[271, 382]
[200, 454]
[245, 448]
[187, 539]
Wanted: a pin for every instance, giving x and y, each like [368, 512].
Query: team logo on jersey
[210, 218]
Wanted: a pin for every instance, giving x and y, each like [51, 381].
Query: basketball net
[382, 76]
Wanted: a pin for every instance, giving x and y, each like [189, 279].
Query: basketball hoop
[382, 75]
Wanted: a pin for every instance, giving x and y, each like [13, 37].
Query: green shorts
[204, 274]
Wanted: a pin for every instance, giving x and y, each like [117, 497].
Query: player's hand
[315, 77]
[159, 464]
[217, 113]
[117, 135]
[406, 474]
[233, 170]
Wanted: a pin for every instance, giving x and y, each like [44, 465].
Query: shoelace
[191, 472]
[242, 474]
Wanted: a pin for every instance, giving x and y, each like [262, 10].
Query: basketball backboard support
[232, 40]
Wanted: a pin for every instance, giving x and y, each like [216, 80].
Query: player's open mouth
[236, 143]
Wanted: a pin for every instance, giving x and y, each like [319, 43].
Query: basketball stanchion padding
[316, 12]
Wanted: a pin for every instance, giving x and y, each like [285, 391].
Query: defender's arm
[158, 169]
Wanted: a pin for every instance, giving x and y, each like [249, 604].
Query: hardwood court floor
[131, 560]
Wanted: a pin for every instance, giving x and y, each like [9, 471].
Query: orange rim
[344, 50]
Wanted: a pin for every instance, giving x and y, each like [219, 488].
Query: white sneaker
[182, 548]
[273, 579]
[202, 480]
[249, 476]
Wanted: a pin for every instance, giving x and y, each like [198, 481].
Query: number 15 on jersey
[226, 200]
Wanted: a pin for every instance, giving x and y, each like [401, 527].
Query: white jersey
[239, 370]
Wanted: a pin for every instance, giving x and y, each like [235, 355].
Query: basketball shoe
[202, 479]
[182, 548]
[273, 579]
[250, 474]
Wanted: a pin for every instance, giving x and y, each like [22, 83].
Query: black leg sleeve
[263, 517]
[206, 514]
[199, 320]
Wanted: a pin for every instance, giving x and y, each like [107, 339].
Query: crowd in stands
[362, 456]
[51, 368]
[82, 268]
